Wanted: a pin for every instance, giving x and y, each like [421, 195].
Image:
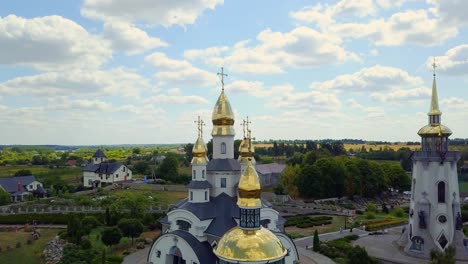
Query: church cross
[200, 125]
[434, 65]
[222, 74]
[245, 126]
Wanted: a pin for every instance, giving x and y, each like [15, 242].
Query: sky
[97, 72]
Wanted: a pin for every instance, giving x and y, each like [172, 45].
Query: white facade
[172, 244]
[121, 174]
[223, 147]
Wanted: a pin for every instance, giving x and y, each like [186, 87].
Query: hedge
[384, 224]
[307, 221]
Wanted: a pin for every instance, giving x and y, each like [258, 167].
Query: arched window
[223, 148]
[183, 225]
[441, 192]
[194, 174]
[206, 195]
[203, 174]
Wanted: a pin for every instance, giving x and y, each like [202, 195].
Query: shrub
[370, 215]
[371, 207]
[350, 238]
[399, 212]
[316, 241]
[29, 241]
[18, 244]
[85, 244]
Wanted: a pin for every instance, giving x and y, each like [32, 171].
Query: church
[223, 219]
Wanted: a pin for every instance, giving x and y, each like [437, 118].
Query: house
[269, 173]
[21, 187]
[100, 171]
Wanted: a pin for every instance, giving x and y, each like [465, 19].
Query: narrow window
[191, 196]
[441, 192]
[116, 175]
[158, 254]
[414, 186]
[223, 182]
[223, 148]
[203, 174]
[206, 195]
[194, 174]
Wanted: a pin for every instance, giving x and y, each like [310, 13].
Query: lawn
[463, 186]
[30, 254]
[296, 232]
[160, 197]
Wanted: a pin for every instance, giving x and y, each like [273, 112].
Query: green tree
[169, 167]
[136, 151]
[141, 167]
[135, 203]
[88, 223]
[358, 255]
[308, 181]
[309, 158]
[288, 179]
[130, 227]
[74, 230]
[23, 172]
[447, 257]
[5, 197]
[316, 245]
[111, 236]
[332, 177]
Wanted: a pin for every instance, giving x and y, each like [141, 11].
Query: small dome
[223, 117]
[435, 130]
[250, 245]
[249, 188]
[199, 152]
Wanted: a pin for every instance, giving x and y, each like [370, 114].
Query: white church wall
[159, 252]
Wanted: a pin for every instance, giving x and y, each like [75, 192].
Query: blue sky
[141, 71]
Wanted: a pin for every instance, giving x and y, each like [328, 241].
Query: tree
[447, 257]
[308, 181]
[136, 151]
[169, 167]
[141, 167]
[130, 227]
[316, 241]
[5, 197]
[88, 223]
[111, 236]
[288, 179]
[135, 203]
[358, 255]
[74, 230]
[332, 177]
[23, 172]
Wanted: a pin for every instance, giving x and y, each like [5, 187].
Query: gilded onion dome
[223, 117]
[249, 242]
[199, 152]
[434, 128]
[249, 188]
[239, 245]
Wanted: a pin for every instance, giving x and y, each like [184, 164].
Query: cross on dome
[200, 125]
[222, 74]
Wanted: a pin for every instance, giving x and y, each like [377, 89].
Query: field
[68, 174]
[31, 254]
[160, 197]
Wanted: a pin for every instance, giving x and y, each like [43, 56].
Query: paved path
[138, 257]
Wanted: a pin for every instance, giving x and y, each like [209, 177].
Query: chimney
[20, 186]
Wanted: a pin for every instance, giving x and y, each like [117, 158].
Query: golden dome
[245, 152]
[435, 130]
[223, 117]
[199, 152]
[249, 188]
[250, 245]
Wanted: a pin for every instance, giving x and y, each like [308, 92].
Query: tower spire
[434, 111]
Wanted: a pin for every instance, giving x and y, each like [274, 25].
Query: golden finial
[200, 125]
[222, 74]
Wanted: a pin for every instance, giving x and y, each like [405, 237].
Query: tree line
[313, 175]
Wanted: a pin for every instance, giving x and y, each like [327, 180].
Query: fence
[6, 210]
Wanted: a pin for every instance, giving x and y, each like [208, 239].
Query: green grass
[463, 186]
[31, 254]
[160, 197]
[68, 174]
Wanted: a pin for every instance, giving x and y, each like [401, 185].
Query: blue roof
[223, 165]
[103, 168]
[99, 154]
[10, 184]
[199, 185]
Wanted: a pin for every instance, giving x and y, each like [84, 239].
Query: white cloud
[455, 61]
[375, 78]
[179, 72]
[127, 37]
[316, 101]
[50, 43]
[116, 82]
[451, 11]
[177, 99]
[299, 48]
[420, 27]
[154, 12]
[403, 95]
[257, 88]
